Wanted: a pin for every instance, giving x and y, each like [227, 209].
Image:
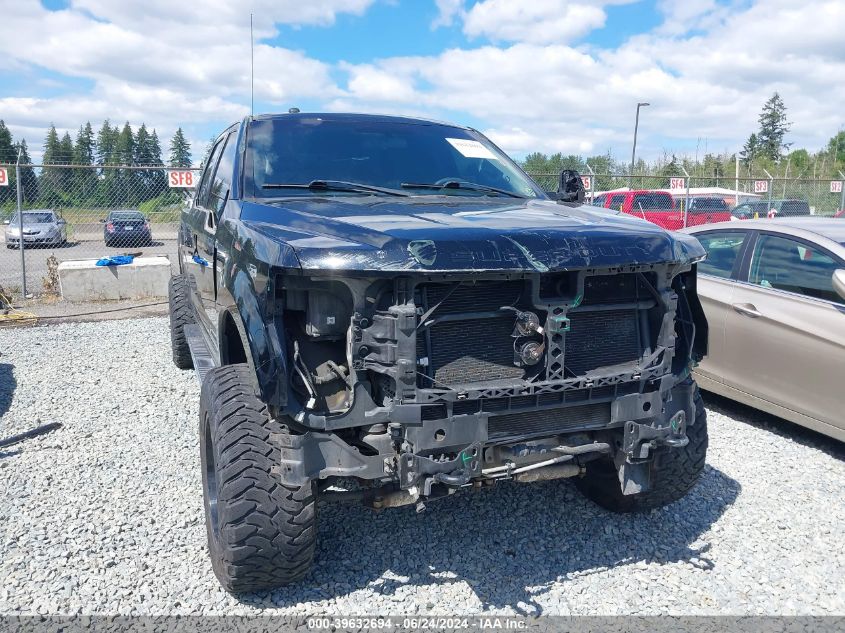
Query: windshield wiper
[335, 185]
[460, 184]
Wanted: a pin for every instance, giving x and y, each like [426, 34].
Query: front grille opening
[620, 288]
[464, 297]
[469, 341]
[558, 285]
[601, 339]
[474, 349]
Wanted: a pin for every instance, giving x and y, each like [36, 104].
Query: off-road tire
[261, 531]
[674, 471]
[180, 316]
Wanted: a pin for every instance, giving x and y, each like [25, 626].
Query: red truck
[661, 208]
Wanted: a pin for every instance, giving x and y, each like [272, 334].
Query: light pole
[634, 151]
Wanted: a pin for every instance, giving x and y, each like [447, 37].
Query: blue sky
[545, 75]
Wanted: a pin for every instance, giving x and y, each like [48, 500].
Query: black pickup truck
[390, 310]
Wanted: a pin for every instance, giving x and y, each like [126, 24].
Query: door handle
[748, 309]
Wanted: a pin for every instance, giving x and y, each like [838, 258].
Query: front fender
[262, 335]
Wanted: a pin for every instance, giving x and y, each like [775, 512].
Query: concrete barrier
[83, 280]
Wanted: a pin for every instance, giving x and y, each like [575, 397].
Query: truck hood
[446, 233]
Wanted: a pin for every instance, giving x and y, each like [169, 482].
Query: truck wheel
[674, 471]
[180, 316]
[261, 531]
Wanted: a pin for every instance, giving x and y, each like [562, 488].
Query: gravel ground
[105, 515]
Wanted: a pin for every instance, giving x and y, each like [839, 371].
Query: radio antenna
[251, 69]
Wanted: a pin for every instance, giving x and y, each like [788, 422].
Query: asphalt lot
[104, 516]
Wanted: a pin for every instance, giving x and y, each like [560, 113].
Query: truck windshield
[415, 157]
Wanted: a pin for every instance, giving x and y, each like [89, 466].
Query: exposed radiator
[480, 349]
[471, 351]
[550, 421]
[598, 339]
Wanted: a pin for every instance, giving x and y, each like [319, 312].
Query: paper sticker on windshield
[471, 149]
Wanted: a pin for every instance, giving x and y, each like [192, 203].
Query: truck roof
[355, 116]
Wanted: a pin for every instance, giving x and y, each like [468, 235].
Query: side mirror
[570, 187]
[839, 282]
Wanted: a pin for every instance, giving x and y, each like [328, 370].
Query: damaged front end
[418, 384]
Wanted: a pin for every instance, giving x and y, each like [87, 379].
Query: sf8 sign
[183, 178]
[4, 177]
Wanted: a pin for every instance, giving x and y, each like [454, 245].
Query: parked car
[840, 214]
[770, 209]
[127, 227]
[774, 295]
[713, 205]
[660, 208]
[394, 300]
[40, 226]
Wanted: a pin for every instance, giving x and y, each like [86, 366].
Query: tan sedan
[774, 295]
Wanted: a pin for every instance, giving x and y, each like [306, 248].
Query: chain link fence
[84, 212]
[89, 212]
[822, 197]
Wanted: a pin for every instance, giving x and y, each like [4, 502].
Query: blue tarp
[115, 260]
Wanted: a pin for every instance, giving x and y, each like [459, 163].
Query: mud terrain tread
[674, 473]
[180, 316]
[267, 529]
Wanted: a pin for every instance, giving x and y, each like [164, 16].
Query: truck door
[197, 248]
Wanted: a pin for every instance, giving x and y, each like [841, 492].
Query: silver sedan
[774, 295]
[40, 226]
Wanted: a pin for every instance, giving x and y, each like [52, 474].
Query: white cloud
[706, 70]
[162, 62]
[537, 21]
[447, 11]
[553, 97]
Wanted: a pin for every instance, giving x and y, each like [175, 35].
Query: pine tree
[180, 150]
[106, 141]
[7, 155]
[105, 153]
[51, 146]
[126, 184]
[672, 169]
[158, 177]
[142, 156]
[66, 175]
[50, 183]
[83, 150]
[773, 128]
[124, 147]
[7, 152]
[749, 152]
[141, 146]
[28, 177]
[155, 149]
[66, 149]
[83, 154]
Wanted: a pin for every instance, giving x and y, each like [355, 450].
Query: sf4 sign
[183, 178]
[587, 182]
[677, 183]
[761, 186]
[836, 186]
[4, 177]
